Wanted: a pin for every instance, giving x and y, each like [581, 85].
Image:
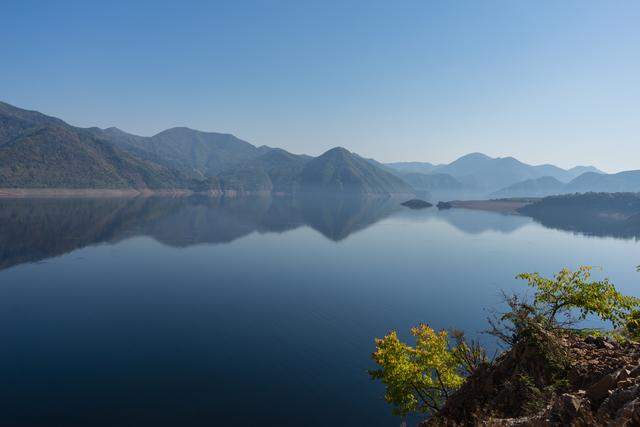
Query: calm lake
[240, 312]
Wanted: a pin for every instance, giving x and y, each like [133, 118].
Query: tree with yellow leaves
[420, 378]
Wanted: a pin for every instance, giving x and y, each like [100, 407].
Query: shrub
[420, 378]
[570, 291]
[632, 328]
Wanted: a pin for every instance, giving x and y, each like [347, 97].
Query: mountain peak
[474, 156]
[582, 169]
[31, 117]
[337, 150]
[509, 160]
[340, 171]
[116, 131]
[277, 154]
[177, 130]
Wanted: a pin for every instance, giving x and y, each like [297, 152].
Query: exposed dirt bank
[129, 192]
[509, 206]
[96, 192]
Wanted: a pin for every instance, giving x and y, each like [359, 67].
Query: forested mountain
[14, 121]
[339, 170]
[38, 151]
[193, 152]
[276, 171]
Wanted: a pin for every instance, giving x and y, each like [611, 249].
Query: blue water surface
[202, 312]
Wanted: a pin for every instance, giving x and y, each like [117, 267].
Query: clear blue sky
[544, 81]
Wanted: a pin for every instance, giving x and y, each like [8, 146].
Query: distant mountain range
[432, 181]
[38, 151]
[628, 181]
[477, 171]
[538, 187]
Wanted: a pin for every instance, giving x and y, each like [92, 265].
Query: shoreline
[506, 206]
[94, 192]
[16, 193]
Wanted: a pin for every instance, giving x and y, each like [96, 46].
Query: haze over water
[201, 311]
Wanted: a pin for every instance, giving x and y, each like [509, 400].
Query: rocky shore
[551, 381]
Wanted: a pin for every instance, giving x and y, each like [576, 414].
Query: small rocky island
[416, 204]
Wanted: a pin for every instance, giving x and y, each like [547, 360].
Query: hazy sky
[544, 81]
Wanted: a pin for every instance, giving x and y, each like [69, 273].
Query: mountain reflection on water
[32, 230]
[616, 223]
[36, 229]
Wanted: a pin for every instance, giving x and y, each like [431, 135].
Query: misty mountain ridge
[487, 174]
[413, 167]
[433, 181]
[538, 187]
[40, 151]
[622, 182]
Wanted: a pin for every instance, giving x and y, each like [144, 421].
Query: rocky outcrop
[570, 380]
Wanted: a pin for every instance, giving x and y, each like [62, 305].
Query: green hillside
[59, 157]
[340, 171]
[38, 151]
